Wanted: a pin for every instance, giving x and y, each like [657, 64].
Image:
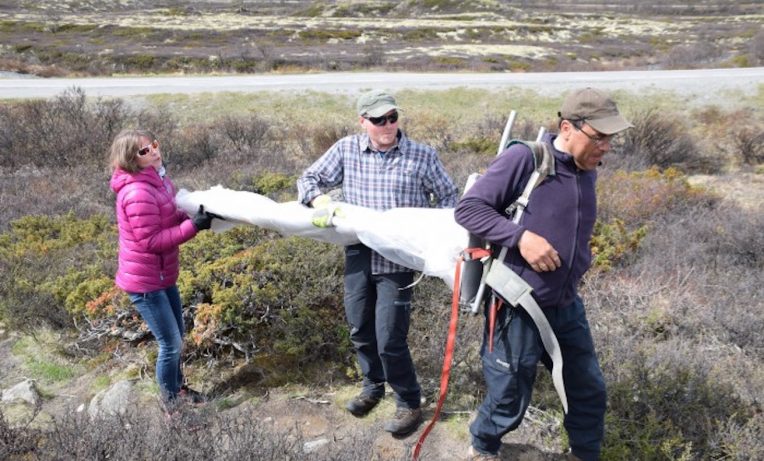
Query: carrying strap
[517, 292]
[544, 166]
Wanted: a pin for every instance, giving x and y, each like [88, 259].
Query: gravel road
[703, 84]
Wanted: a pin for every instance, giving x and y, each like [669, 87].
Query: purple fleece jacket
[562, 209]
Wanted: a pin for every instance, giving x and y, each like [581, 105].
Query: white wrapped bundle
[241, 207]
[423, 239]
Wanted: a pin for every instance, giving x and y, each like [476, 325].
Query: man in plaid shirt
[379, 169]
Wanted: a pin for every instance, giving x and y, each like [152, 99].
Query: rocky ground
[316, 415]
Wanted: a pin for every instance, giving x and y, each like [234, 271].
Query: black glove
[202, 220]
[215, 216]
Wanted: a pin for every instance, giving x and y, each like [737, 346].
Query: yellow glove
[321, 201]
[325, 212]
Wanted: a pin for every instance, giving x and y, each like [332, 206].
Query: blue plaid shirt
[408, 175]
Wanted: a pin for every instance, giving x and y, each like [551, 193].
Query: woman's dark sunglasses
[145, 149]
[380, 121]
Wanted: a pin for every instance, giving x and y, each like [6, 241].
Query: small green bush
[54, 266]
[612, 242]
[482, 146]
[665, 407]
[277, 298]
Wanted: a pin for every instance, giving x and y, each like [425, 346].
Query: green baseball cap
[376, 103]
[596, 108]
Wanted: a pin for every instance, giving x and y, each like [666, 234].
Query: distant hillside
[136, 36]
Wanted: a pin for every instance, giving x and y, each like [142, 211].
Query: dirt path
[317, 415]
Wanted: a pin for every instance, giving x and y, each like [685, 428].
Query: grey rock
[113, 401]
[313, 445]
[25, 391]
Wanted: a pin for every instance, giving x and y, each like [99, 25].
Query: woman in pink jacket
[151, 228]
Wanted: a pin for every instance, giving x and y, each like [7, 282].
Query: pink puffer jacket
[150, 230]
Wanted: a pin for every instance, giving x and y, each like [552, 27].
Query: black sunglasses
[380, 121]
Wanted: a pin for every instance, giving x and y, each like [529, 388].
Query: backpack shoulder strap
[544, 166]
[543, 159]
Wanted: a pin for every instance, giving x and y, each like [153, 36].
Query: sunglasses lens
[379, 121]
[145, 150]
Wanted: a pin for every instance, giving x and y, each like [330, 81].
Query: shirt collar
[400, 145]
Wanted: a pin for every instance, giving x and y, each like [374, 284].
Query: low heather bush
[637, 198]
[191, 434]
[667, 404]
[661, 140]
[18, 441]
[676, 331]
[749, 145]
[721, 256]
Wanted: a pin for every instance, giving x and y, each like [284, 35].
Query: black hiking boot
[362, 404]
[405, 422]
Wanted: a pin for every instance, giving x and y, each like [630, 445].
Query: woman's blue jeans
[162, 312]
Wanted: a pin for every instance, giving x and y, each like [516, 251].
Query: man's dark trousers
[379, 311]
[510, 371]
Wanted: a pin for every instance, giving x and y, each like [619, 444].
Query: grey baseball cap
[596, 108]
[376, 103]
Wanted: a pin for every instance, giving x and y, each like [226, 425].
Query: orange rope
[471, 253]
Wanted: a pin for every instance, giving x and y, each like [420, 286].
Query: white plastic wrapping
[241, 207]
[423, 239]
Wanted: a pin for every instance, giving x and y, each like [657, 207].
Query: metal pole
[507, 130]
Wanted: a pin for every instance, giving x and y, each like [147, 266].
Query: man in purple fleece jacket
[550, 250]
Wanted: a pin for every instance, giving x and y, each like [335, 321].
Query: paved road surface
[700, 83]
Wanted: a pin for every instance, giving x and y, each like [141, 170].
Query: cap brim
[381, 110]
[610, 125]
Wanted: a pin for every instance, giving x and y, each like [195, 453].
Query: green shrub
[279, 300]
[612, 243]
[54, 266]
[482, 146]
[273, 183]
